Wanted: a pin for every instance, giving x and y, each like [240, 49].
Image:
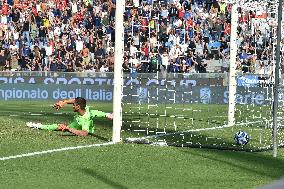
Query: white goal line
[192, 130]
[54, 150]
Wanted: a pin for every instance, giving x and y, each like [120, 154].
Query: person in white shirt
[133, 50]
[57, 30]
[38, 8]
[177, 23]
[97, 9]
[164, 13]
[172, 1]
[77, 30]
[110, 48]
[103, 69]
[14, 48]
[134, 62]
[48, 50]
[176, 39]
[74, 7]
[3, 19]
[199, 48]
[136, 41]
[136, 3]
[171, 38]
[172, 53]
[50, 34]
[16, 35]
[79, 45]
[165, 61]
[175, 52]
[153, 41]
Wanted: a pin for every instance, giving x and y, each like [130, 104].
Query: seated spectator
[86, 56]
[85, 30]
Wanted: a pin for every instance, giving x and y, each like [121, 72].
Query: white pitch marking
[192, 130]
[58, 113]
[53, 150]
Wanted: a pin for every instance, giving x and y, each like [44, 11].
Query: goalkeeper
[83, 120]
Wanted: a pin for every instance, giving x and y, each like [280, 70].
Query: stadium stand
[179, 36]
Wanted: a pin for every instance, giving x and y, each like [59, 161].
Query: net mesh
[196, 115]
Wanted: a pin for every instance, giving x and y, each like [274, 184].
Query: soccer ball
[242, 138]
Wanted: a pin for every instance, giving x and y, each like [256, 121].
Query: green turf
[139, 166]
[23, 139]
[182, 119]
[123, 165]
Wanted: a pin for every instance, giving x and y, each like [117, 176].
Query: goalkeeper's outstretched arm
[70, 128]
[58, 105]
[77, 132]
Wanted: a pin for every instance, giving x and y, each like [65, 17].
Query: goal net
[192, 110]
[208, 110]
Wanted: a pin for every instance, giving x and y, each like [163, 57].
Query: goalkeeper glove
[58, 105]
[109, 116]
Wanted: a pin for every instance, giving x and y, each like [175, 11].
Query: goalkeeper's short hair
[81, 102]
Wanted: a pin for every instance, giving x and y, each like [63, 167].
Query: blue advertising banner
[142, 94]
[138, 90]
[247, 81]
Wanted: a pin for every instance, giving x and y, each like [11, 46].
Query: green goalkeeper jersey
[85, 122]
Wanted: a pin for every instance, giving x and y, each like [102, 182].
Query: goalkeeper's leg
[54, 127]
[51, 127]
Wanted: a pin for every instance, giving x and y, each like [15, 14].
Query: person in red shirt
[61, 6]
[79, 17]
[145, 49]
[189, 23]
[5, 9]
[181, 12]
[34, 10]
[227, 30]
[144, 24]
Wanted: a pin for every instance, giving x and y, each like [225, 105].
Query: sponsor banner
[205, 95]
[209, 95]
[247, 81]
[102, 81]
[135, 95]
[281, 96]
[53, 92]
[254, 81]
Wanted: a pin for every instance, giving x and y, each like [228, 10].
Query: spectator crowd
[181, 36]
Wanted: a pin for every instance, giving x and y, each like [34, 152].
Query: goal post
[276, 82]
[198, 110]
[118, 72]
[232, 71]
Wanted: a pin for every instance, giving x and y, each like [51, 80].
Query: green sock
[51, 127]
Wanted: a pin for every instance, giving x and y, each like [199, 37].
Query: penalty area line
[54, 150]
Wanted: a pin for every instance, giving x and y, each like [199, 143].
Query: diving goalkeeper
[82, 124]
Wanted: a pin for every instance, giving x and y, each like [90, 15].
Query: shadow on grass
[102, 138]
[67, 134]
[104, 122]
[102, 178]
[256, 163]
[222, 139]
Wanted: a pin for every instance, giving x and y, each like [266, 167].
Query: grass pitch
[201, 125]
[120, 165]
